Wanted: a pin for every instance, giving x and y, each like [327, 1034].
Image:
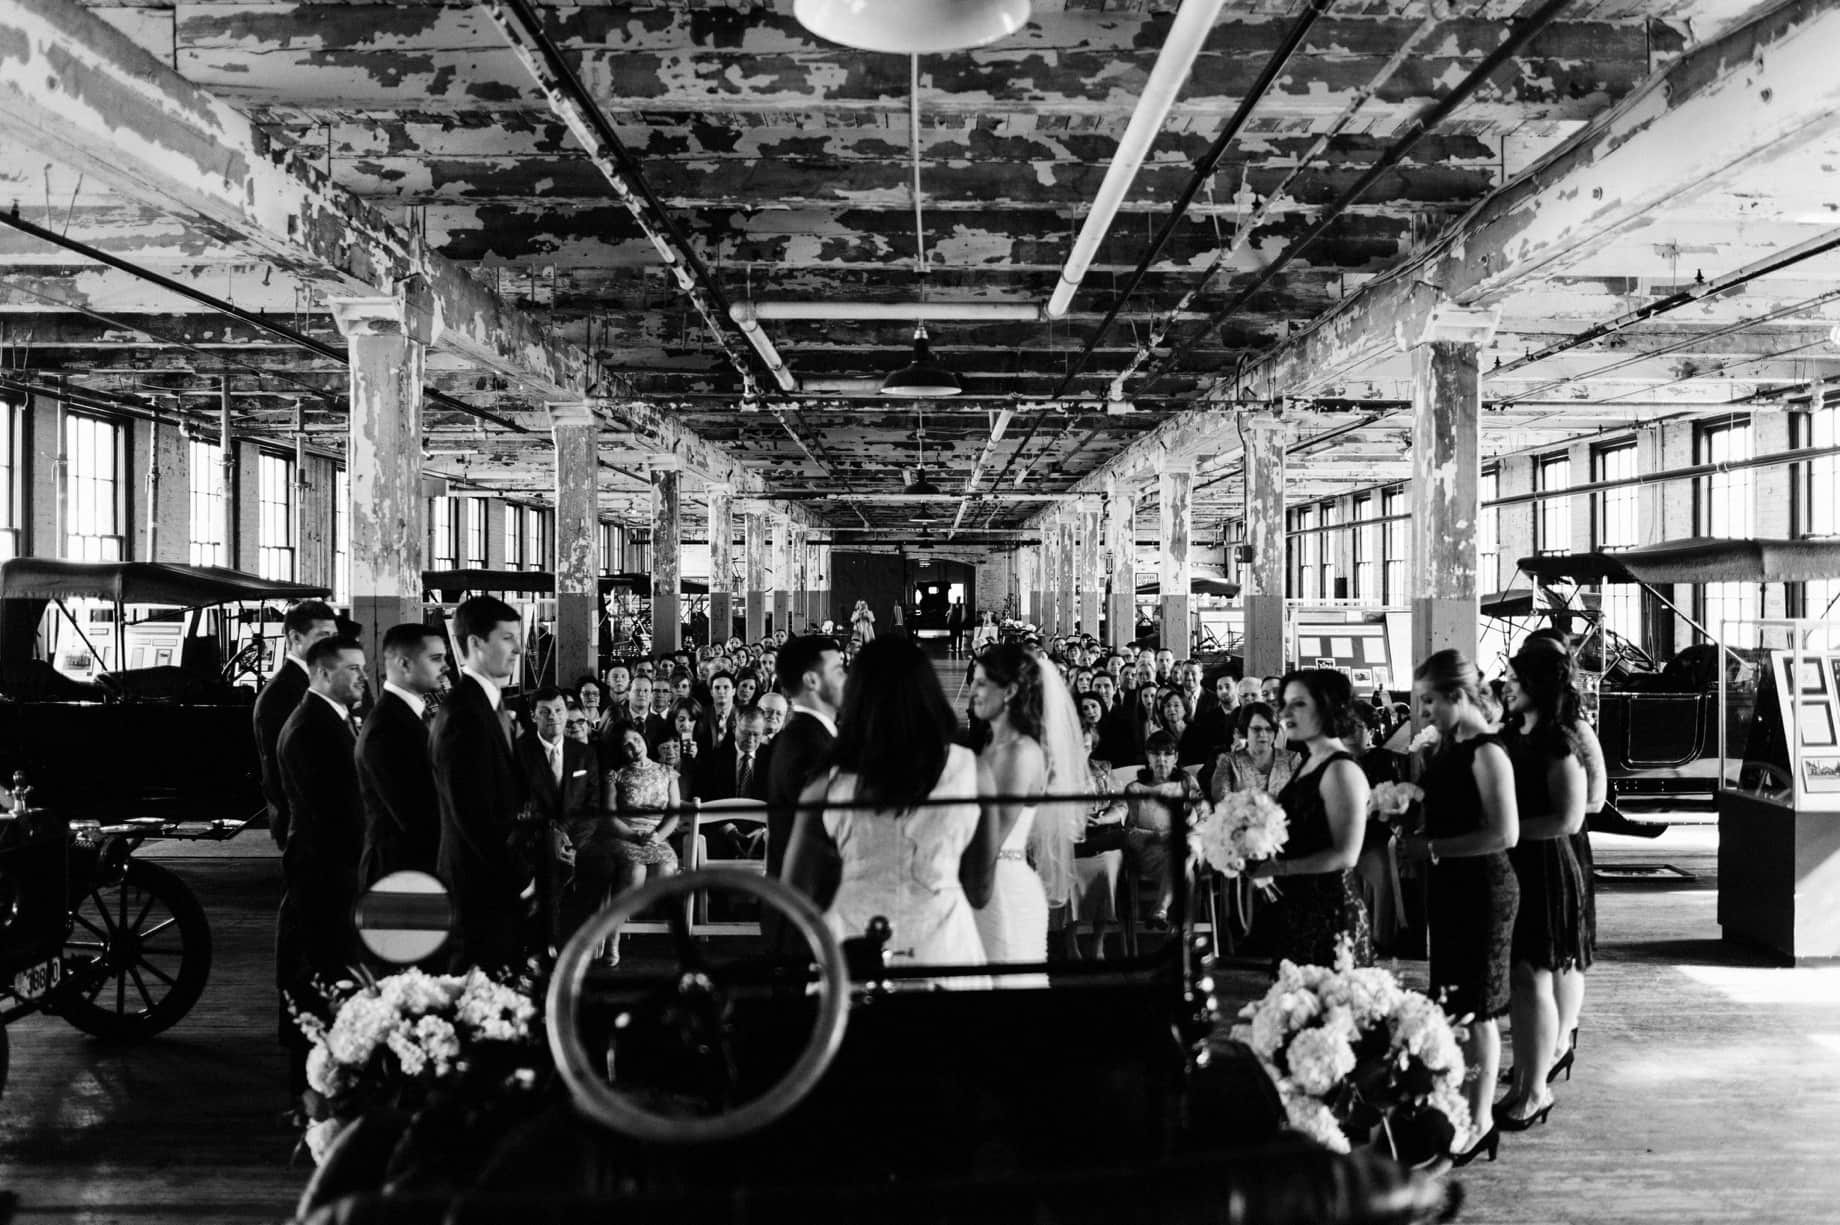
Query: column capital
[718, 489]
[1175, 465]
[1267, 423]
[663, 463]
[571, 412]
[1452, 324]
[411, 311]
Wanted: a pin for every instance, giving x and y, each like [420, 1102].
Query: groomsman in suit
[402, 822]
[314, 937]
[565, 784]
[480, 791]
[305, 624]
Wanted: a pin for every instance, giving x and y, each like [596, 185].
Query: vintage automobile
[117, 946]
[159, 723]
[729, 1082]
[1660, 723]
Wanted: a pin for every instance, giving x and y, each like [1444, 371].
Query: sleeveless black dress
[1473, 899]
[1316, 910]
[1551, 931]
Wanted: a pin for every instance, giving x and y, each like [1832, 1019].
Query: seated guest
[634, 841]
[1105, 688]
[1261, 765]
[1091, 711]
[686, 718]
[402, 823]
[773, 711]
[635, 713]
[565, 786]
[1212, 726]
[1152, 816]
[717, 725]
[590, 695]
[1098, 858]
[747, 687]
[732, 769]
[576, 726]
[619, 679]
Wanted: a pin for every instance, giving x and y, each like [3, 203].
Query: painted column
[1174, 491]
[814, 587]
[1092, 576]
[721, 562]
[667, 557]
[1066, 598]
[1121, 544]
[578, 540]
[782, 573]
[1051, 577]
[1446, 471]
[170, 516]
[387, 339]
[800, 586]
[1028, 584]
[1263, 591]
[754, 562]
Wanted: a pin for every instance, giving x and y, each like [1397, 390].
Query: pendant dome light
[912, 27]
[923, 378]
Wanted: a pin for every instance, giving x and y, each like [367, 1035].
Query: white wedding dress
[905, 869]
[1014, 924]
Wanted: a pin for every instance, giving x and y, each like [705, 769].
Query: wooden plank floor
[1708, 1085]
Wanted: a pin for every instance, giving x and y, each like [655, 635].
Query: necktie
[504, 722]
[744, 774]
[555, 761]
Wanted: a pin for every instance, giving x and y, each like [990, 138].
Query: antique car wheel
[606, 1104]
[137, 956]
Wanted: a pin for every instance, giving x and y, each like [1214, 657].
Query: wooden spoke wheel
[137, 955]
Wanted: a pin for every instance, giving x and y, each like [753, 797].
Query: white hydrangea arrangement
[1351, 1049]
[1428, 738]
[392, 1041]
[1244, 827]
[1389, 801]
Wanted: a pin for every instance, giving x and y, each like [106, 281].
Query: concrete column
[388, 339]
[754, 562]
[667, 558]
[1263, 591]
[1028, 583]
[1446, 437]
[782, 573]
[1121, 544]
[814, 586]
[1175, 510]
[721, 562]
[1092, 575]
[578, 539]
[1051, 577]
[170, 521]
[799, 585]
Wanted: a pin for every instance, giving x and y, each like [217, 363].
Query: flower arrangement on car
[398, 1043]
[1245, 826]
[1357, 1057]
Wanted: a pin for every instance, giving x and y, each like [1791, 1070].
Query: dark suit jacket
[402, 821]
[274, 704]
[479, 790]
[709, 737]
[319, 773]
[717, 773]
[802, 748]
[581, 792]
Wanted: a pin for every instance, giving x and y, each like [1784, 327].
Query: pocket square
[578, 774]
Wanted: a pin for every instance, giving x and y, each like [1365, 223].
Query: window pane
[1552, 522]
[205, 465]
[92, 490]
[275, 506]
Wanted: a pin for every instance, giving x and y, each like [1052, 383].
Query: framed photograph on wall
[1816, 721]
[1821, 774]
[1811, 679]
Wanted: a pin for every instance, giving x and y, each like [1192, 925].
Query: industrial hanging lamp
[912, 27]
[923, 378]
[914, 482]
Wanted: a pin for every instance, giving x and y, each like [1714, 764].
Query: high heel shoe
[1508, 1122]
[1562, 1064]
[1488, 1144]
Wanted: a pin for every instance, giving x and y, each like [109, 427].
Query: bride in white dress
[1019, 692]
[921, 868]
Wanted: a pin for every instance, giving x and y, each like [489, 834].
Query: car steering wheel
[701, 997]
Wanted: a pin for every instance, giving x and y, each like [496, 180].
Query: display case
[1779, 812]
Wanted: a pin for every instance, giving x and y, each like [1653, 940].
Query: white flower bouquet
[1390, 801]
[1352, 1051]
[1428, 738]
[390, 1043]
[1244, 827]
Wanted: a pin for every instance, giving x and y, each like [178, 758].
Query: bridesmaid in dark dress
[1471, 821]
[1319, 902]
[1549, 933]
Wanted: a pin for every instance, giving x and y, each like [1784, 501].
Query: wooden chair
[723, 812]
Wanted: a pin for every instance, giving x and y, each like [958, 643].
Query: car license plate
[37, 980]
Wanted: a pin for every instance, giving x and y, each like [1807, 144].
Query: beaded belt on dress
[1016, 853]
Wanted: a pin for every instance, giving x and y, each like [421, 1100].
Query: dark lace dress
[1551, 931]
[1315, 910]
[1473, 899]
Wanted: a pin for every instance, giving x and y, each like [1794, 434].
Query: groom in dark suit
[480, 791]
[402, 821]
[314, 937]
[811, 675]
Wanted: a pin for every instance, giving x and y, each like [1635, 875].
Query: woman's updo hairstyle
[1545, 674]
[1011, 663]
[1450, 673]
[1331, 693]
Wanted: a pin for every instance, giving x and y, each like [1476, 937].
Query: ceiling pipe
[1187, 34]
[891, 312]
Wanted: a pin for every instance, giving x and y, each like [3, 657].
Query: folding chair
[740, 812]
